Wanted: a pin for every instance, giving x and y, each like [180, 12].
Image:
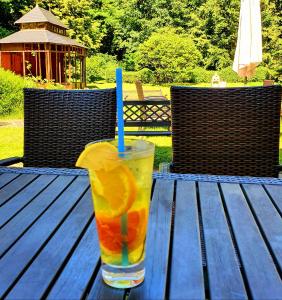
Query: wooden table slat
[263, 278]
[158, 237]
[31, 242]
[11, 207]
[224, 276]
[268, 218]
[5, 178]
[186, 248]
[15, 186]
[73, 280]
[275, 192]
[38, 277]
[16, 226]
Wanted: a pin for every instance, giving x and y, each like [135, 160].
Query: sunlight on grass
[11, 141]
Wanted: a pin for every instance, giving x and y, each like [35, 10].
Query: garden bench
[154, 115]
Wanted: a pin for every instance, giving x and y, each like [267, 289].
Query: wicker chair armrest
[279, 167]
[10, 161]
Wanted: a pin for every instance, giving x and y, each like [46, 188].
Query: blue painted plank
[263, 279]
[158, 242]
[25, 218]
[72, 282]
[187, 265]
[10, 208]
[268, 218]
[6, 178]
[15, 186]
[23, 252]
[101, 291]
[35, 281]
[224, 276]
[275, 192]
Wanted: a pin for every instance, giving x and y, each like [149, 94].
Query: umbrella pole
[245, 80]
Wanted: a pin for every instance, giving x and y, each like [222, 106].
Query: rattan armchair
[226, 131]
[59, 123]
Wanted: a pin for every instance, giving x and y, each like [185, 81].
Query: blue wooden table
[209, 237]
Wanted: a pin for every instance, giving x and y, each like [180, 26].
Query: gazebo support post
[69, 66]
[50, 63]
[46, 63]
[60, 69]
[39, 60]
[23, 63]
[57, 67]
[75, 70]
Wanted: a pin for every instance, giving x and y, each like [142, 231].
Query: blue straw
[120, 110]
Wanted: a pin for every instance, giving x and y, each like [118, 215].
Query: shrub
[11, 91]
[146, 75]
[196, 75]
[167, 53]
[227, 74]
[130, 76]
[101, 67]
[261, 74]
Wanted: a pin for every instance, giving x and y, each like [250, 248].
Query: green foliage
[197, 75]
[261, 74]
[4, 32]
[121, 28]
[228, 75]
[11, 91]
[130, 76]
[167, 53]
[101, 67]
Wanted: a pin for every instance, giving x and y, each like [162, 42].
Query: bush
[101, 67]
[146, 75]
[167, 54]
[11, 91]
[228, 75]
[130, 76]
[261, 74]
[196, 75]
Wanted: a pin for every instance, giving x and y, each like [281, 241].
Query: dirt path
[12, 123]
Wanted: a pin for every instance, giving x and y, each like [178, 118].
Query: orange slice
[111, 180]
[117, 187]
[98, 156]
[110, 235]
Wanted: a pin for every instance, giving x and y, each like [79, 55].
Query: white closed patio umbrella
[249, 43]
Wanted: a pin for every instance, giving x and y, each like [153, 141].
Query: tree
[79, 16]
[168, 54]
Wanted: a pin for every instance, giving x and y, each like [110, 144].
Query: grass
[11, 141]
[11, 138]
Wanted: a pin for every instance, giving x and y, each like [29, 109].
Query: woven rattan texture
[226, 131]
[59, 123]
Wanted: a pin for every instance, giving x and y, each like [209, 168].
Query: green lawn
[11, 141]
[11, 138]
[11, 144]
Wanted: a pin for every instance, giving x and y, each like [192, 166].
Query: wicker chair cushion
[226, 131]
[59, 123]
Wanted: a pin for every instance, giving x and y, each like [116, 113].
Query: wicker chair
[226, 131]
[59, 123]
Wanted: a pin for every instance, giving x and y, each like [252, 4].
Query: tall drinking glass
[121, 189]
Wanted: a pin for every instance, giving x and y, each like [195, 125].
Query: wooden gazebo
[42, 49]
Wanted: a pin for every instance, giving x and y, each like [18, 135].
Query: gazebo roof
[39, 36]
[38, 14]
